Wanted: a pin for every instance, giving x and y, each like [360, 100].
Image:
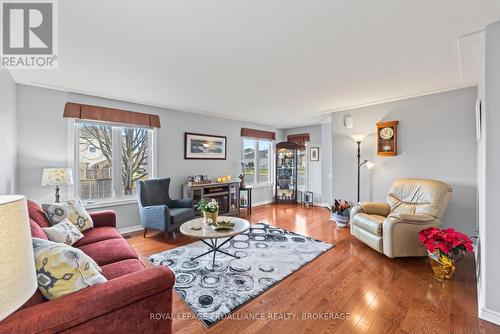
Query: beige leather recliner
[392, 228]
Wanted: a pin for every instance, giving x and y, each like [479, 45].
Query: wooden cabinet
[286, 172]
[225, 193]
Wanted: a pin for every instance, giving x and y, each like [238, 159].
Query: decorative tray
[222, 225]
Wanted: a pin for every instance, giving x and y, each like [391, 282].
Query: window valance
[96, 113]
[299, 139]
[245, 132]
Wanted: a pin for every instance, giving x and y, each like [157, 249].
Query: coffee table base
[215, 249]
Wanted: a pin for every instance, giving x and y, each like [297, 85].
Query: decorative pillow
[73, 210]
[36, 230]
[64, 232]
[62, 269]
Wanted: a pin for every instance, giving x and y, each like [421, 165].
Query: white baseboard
[483, 312]
[323, 205]
[269, 201]
[136, 228]
[489, 315]
[130, 229]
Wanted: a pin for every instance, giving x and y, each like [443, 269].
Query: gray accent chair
[158, 211]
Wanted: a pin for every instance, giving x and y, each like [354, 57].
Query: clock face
[386, 133]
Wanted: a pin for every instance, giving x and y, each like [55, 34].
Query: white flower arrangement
[209, 206]
[213, 206]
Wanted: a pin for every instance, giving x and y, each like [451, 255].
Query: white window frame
[306, 168]
[74, 154]
[271, 158]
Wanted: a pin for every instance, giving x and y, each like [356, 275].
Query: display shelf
[286, 172]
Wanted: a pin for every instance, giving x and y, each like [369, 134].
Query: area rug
[267, 255]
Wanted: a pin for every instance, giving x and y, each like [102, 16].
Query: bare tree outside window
[96, 159]
[134, 157]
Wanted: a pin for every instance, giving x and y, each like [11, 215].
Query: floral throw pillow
[73, 210]
[62, 269]
[64, 232]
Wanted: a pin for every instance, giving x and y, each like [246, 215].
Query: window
[301, 169]
[257, 161]
[263, 161]
[111, 159]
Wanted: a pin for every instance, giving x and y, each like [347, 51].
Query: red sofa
[134, 299]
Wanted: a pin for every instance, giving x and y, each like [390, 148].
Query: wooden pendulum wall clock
[387, 138]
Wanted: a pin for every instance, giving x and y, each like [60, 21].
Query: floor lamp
[369, 164]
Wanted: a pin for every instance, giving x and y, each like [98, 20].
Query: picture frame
[198, 146]
[314, 154]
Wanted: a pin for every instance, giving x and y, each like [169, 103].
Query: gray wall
[8, 134]
[326, 163]
[313, 167]
[319, 172]
[489, 180]
[44, 142]
[436, 139]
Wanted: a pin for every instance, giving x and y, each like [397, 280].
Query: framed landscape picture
[201, 146]
[314, 154]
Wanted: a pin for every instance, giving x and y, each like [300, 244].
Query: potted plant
[242, 175]
[340, 212]
[210, 209]
[444, 247]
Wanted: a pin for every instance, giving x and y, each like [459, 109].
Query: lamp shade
[57, 177]
[17, 263]
[358, 138]
[370, 164]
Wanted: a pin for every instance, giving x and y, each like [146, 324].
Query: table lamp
[17, 263]
[57, 177]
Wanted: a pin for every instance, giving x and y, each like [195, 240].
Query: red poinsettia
[341, 207]
[446, 242]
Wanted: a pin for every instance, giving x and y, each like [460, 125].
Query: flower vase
[210, 217]
[342, 221]
[442, 266]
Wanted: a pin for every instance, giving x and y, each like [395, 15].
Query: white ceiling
[281, 62]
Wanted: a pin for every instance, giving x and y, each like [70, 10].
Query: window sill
[260, 185]
[110, 203]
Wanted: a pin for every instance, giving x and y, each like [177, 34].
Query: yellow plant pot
[212, 216]
[442, 266]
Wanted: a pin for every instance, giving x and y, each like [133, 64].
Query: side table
[246, 199]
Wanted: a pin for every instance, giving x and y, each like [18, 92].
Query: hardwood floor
[379, 294]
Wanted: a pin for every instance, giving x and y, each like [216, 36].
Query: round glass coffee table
[196, 228]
